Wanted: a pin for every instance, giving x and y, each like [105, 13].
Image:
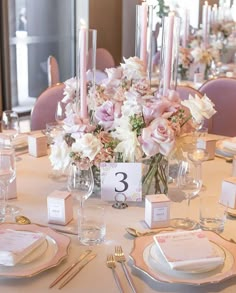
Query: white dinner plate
[47, 255]
[160, 271]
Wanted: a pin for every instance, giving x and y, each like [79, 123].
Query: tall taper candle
[204, 24]
[83, 68]
[168, 54]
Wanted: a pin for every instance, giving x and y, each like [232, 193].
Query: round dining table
[35, 183]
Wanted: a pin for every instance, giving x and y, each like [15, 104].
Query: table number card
[121, 179]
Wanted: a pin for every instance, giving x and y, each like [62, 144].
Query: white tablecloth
[34, 184]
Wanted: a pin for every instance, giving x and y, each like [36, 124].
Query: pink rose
[105, 114]
[161, 107]
[158, 137]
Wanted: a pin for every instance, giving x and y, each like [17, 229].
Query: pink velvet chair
[185, 90]
[45, 106]
[53, 71]
[222, 92]
[104, 59]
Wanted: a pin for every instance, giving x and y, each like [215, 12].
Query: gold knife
[82, 256]
[72, 275]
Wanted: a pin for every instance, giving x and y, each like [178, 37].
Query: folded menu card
[15, 245]
[188, 250]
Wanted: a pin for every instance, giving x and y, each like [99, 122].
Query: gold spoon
[22, 220]
[136, 233]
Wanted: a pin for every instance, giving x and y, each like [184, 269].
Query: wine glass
[7, 175]
[10, 124]
[60, 113]
[80, 181]
[189, 182]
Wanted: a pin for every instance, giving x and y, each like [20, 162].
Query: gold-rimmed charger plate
[57, 246]
[140, 255]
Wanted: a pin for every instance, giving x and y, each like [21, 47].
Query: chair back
[45, 106]
[185, 90]
[222, 92]
[104, 59]
[53, 71]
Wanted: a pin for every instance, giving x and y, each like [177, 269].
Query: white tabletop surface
[33, 186]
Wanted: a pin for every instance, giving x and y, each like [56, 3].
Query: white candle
[168, 53]
[83, 68]
[204, 23]
[143, 45]
[185, 28]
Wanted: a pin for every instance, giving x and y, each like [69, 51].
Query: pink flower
[105, 114]
[158, 137]
[161, 107]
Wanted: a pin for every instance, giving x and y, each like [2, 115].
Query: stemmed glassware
[80, 181]
[7, 175]
[10, 124]
[189, 182]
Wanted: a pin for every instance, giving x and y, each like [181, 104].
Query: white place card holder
[37, 145]
[157, 210]
[121, 181]
[60, 208]
[208, 144]
[228, 192]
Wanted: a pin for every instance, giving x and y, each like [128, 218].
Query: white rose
[60, 154]
[200, 108]
[88, 145]
[129, 147]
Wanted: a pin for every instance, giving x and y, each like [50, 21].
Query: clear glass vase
[155, 175]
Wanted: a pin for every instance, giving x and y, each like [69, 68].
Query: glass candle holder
[86, 45]
[169, 53]
[143, 36]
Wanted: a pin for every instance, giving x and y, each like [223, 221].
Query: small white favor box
[60, 207]
[37, 145]
[228, 192]
[208, 144]
[157, 210]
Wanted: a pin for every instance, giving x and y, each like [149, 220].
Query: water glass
[91, 224]
[212, 214]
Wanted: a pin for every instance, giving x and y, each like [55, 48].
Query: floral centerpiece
[130, 123]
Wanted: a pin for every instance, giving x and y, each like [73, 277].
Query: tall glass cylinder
[86, 45]
[143, 37]
[169, 53]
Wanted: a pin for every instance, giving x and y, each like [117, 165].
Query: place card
[157, 210]
[228, 192]
[121, 181]
[15, 245]
[37, 145]
[187, 250]
[60, 207]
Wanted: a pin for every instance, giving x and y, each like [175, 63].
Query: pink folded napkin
[15, 245]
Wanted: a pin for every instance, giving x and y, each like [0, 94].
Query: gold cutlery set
[82, 261]
[111, 263]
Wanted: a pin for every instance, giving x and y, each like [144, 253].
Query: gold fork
[120, 257]
[112, 264]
